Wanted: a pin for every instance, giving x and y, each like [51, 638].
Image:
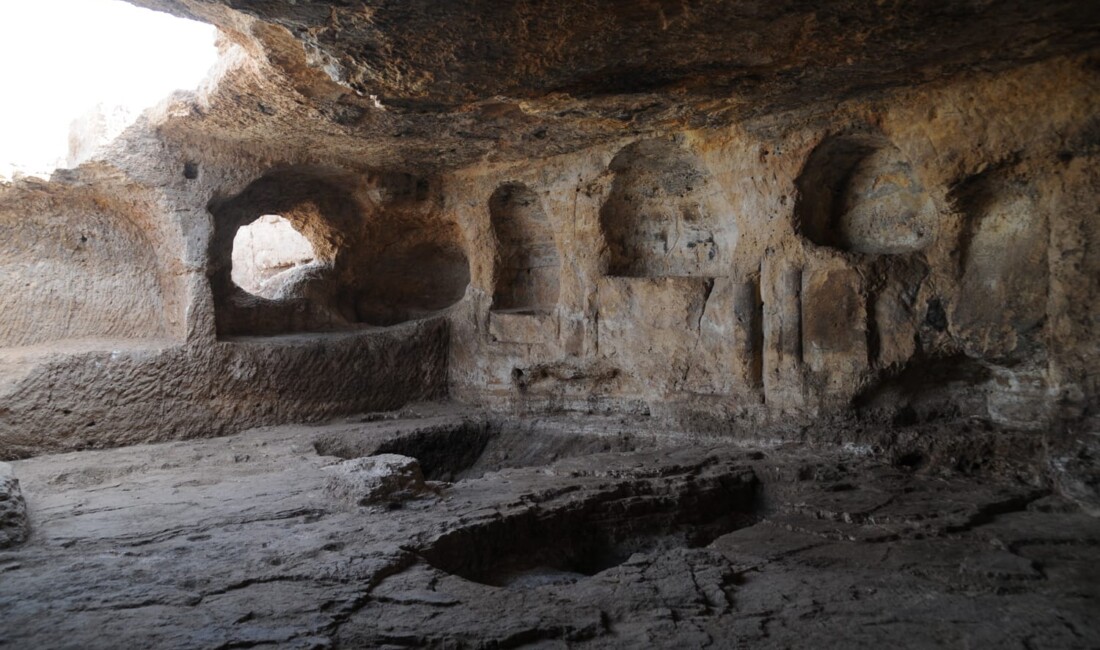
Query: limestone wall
[909, 254]
[86, 260]
[913, 253]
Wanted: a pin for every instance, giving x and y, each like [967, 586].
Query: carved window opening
[266, 254]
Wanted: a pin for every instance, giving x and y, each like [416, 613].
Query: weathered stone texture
[727, 216]
[126, 395]
[651, 324]
[376, 480]
[625, 540]
[13, 509]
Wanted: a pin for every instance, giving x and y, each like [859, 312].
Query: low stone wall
[130, 395]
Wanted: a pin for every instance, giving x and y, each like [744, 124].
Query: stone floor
[587, 538]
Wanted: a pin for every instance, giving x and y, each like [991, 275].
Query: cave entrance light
[76, 73]
[266, 252]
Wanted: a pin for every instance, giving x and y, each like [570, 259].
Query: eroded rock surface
[743, 323]
[238, 541]
[381, 479]
[726, 216]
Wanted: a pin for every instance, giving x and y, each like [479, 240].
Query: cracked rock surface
[236, 542]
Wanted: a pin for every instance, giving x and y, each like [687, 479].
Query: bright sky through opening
[60, 58]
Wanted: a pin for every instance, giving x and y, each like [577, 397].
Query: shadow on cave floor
[595, 536]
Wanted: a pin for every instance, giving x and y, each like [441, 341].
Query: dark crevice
[566, 544]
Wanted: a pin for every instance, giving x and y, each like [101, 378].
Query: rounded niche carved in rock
[665, 216]
[859, 193]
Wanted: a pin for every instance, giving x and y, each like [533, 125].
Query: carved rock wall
[86, 260]
[799, 268]
[917, 248]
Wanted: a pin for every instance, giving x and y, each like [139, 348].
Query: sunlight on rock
[84, 70]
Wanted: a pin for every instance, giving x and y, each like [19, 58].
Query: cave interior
[672, 323]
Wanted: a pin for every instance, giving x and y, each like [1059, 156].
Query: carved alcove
[380, 255]
[665, 216]
[528, 266]
[859, 193]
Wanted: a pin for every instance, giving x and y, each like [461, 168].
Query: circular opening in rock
[266, 253]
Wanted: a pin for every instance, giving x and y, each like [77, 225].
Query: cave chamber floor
[537, 537]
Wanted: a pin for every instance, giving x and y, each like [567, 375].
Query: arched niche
[665, 216]
[381, 253]
[87, 262]
[1002, 298]
[528, 267]
[859, 193]
[414, 280]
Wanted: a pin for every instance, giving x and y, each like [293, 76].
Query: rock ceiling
[435, 85]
